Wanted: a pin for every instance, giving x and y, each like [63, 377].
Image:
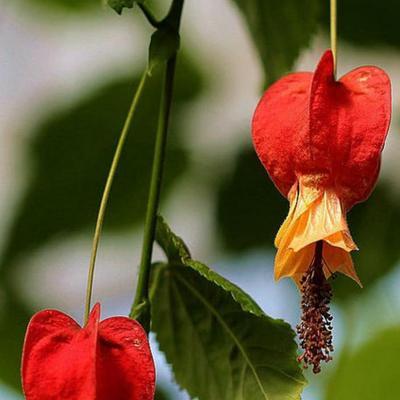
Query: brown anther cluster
[315, 328]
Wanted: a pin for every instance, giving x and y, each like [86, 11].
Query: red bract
[321, 142]
[308, 123]
[107, 360]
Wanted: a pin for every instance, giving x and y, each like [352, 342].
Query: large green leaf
[377, 26]
[250, 211]
[70, 155]
[280, 30]
[219, 342]
[371, 373]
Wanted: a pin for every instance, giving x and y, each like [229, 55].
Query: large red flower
[321, 142]
[104, 360]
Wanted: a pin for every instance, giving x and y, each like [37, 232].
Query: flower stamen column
[315, 328]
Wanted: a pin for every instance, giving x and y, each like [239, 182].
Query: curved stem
[106, 193]
[334, 33]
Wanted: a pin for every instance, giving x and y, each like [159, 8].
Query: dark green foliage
[280, 29]
[14, 317]
[371, 372]
[219, 342]
[70, 157]
[68, 5]
[376, 230]
[250, 208]
[161, 395]
[367, 22]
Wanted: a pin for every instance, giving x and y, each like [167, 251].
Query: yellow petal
[293, 264]
[338, 260]
[315, 214]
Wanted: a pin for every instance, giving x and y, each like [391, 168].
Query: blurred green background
[68, 70]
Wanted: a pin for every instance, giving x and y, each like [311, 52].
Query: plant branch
[106, 193]
[149, 15]
[140, 307]
[142, 290]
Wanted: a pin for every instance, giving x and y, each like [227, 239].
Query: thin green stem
[149, 15]
[334, 33]
[142, 291]
[141, 307]
[106, 193]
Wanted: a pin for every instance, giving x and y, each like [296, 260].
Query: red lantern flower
[104, 360]
[321, 142]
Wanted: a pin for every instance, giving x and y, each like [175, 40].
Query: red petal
[305, 126]
[110, 360]
[59, 357]
[125, 368]
[280, 117]
[314, 149]
[349, 121]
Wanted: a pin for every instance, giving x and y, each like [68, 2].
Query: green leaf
[164, 44]
[280, 30]
[70, 156]
[219, 342]
[177, 252]
[371, 372]
[14, 317]
[119, 5]
[173, 246]
[250, 210]
[378, 26]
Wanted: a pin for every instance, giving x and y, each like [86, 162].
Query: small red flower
[104, 360]
[321, 142]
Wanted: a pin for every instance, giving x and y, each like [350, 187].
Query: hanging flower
[321, 141]
[104, 360]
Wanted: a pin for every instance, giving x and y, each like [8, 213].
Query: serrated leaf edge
[235, 339]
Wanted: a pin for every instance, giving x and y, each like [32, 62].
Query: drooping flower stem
[106, 193]
[334, 34]
[140, 307]
[315, 328]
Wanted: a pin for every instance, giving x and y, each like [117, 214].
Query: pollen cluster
[315, 328]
